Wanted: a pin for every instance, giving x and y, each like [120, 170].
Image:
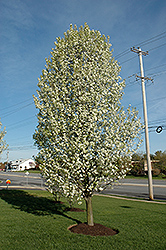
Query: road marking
[141, 185]
[24, 187]
[115, 184]
[21, 176]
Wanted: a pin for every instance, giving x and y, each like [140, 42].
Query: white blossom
[84, 136]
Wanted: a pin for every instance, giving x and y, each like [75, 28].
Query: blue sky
[28, 30]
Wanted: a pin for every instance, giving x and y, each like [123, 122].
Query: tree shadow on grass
[41, 206]
[125, 207]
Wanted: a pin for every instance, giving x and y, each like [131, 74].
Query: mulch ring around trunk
[96, 230]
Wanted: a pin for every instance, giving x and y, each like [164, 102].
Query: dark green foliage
[158, 160]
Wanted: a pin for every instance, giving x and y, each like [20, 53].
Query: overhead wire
[13, 125]
[148, 41]
[158, 74]
[157, 47]
[151, 101]
[25, 147]
[129, 84]
[131, 58]
[159, 66]
[11, 112]
[152, 39]
[158, 121]
[16, 104]
[142, 43]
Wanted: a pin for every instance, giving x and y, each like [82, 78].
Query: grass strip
[30, 219]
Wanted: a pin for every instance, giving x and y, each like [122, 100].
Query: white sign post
[27, 173]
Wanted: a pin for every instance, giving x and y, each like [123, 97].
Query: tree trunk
[89, 211]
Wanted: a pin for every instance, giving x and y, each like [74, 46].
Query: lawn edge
[130, 199]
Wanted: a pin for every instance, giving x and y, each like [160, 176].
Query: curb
[23, 187]
[130, 199]
[103, 195]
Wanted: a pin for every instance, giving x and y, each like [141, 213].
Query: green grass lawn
[31, 220]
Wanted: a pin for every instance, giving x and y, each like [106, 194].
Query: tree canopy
[84, 135]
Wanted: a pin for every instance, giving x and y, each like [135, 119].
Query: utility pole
[140, 53]
[7, 156]
[7, 160]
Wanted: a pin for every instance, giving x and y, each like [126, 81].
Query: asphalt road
[127, 187]
[138, 188]
[21, 180]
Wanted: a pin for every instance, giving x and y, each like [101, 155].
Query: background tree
[161, 157]
[84, 136]
[3, 144]
[137, 164]
[158, 160]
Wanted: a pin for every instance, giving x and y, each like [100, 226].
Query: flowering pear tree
[84, 136]
[3, 144]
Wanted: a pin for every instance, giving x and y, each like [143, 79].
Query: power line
[131, 58]
[155, 126]
[11, 112]
[122, 53]
[18, 127]
[142, 43]
[153, 130]
[159, 66]
[19, 138]
[159, 73]
[158, 121]
[153, 100]
[16, 104]
[10, 125]
[145, 43]
[133, 83]
[13, 125]
[157, 47]
[130, 84]
[25, 147]
[152, 38]
[127, 51]
[156, 67]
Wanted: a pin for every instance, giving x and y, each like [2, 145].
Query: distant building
[14, 165]
[21, 165]
[153, 162]
[27, 164]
